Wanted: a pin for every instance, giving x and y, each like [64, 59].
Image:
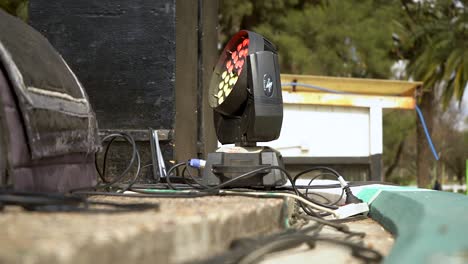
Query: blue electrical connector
[197, 163]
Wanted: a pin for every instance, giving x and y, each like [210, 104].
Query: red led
[228, 64]
[242, 53]
[241, 63]
[230, 68]
[234, 54]
[245, 42]
[239, 47]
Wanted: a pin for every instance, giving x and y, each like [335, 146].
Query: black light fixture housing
[245, 94]
[245, 91]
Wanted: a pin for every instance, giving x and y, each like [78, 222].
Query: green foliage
[17, 8]
[399, 128]
[350, 38]
[339, 38]
[434, 38]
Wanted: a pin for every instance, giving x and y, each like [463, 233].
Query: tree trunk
[396, 159]
[424, 154]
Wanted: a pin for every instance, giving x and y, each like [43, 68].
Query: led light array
[232, 70]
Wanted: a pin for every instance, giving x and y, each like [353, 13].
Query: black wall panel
[122, 51]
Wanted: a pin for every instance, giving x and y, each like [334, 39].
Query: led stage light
[245, 94]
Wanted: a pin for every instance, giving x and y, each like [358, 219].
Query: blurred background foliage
[339, 38]
[388, 39]
[17, 8]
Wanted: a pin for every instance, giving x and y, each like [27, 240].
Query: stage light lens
[234, 55]
[230, 68]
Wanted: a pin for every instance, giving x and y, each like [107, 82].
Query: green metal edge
[429, 226]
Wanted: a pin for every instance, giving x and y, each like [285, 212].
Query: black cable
[135, 157]
[160, 186]
[367, 254]
[307, 209]
[251, 174]
[329, 202]
[104, 160]
[187, 181]
[337, 185]
[130, 140]
[175, 195]
[168, 180]
[247, 175]
[213, 190]
[350, 197]
[338, 226]
[137, 173]
[210, 191]
[139, 194]
[253, 250]
[349, 219]
[187, 166]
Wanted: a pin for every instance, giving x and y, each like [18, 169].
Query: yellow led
[220, 85]
[220, 100]
[233, 81]
[224, 75]
[226, 87]
[228, 91]
[220, 93]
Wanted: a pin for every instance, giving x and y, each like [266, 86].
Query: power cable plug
[197, 163]
[350, 197]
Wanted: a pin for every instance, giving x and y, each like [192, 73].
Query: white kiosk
[342, 127]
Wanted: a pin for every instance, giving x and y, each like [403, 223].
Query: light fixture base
[229, 162]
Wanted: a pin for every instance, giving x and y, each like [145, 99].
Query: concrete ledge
[183, 230]
[430, 226]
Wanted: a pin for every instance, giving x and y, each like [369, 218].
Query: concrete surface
[183, 230]
[376, 238]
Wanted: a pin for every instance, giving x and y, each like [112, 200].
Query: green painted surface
[430, 226]
[369, 194]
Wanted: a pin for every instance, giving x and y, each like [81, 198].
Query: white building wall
[326, 131]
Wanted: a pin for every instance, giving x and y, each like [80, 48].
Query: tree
[17, 8]
[453, 139]
[434, 39]
[321, 37]
[398, 147]
[336, 38]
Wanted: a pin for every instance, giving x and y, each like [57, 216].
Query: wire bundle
[313, 210]
[248, 251]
